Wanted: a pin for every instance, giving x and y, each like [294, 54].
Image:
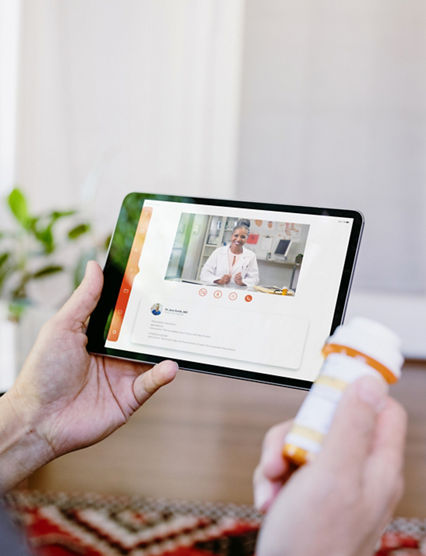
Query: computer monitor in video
[283, 247]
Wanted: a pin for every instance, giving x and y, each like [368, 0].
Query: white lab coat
[218, 264]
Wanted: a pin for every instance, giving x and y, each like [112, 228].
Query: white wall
[333, 113]
[9, 53]
[117, 95]
[128, 95]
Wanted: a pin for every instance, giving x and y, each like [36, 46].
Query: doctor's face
[239, 237]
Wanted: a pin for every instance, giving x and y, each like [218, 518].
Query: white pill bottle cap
[373, 340]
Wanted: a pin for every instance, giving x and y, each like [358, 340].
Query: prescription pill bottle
[361, 347]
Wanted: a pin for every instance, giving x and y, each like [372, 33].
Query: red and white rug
[60, 524]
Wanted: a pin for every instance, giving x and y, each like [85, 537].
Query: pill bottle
[361, 347]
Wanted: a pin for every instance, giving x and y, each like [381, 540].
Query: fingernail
[263, 494]
[172, 368]
[373, 391]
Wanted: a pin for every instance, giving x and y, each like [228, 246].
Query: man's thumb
[85, 298]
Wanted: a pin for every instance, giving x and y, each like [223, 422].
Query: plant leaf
[19, 207]
[20, 291]
[57, 214]
[107, 241]
[47, 270]
[79, 230]
[45, 237]
[3, 258]
[32, 223]
[17, 308]
[5, 272]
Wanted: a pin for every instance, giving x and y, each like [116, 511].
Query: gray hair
[242, 223]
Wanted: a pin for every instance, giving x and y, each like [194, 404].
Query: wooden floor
[200, 439]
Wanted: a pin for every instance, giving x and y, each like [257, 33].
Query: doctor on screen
[232, 263]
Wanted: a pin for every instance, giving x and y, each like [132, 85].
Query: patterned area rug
[60, 524]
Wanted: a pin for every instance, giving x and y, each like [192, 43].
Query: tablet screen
[240, 289]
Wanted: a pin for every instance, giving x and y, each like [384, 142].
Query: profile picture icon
[156, 309]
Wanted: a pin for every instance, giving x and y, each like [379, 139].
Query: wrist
[22, 448]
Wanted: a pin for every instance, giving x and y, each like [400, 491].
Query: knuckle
[150, 383]
[153, 379]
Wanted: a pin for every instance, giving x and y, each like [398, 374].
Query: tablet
[239, 289]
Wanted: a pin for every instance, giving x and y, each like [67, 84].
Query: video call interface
[238, 288]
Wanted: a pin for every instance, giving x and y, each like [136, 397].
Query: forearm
[22, 450]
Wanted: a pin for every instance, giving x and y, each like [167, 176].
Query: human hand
[224, 280]
[238, 279]
[339, 503]
[68, 398]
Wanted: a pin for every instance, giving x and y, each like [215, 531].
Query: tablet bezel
[98, 325]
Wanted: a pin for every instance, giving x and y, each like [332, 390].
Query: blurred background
[309, 102]
[313, 102]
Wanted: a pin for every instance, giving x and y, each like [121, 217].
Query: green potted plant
[33, 248]
[29, 250]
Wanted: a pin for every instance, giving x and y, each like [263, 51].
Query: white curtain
[9, 53]
[122, 95]
[333, 113]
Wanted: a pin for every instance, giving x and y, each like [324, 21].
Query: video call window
[236, 252]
